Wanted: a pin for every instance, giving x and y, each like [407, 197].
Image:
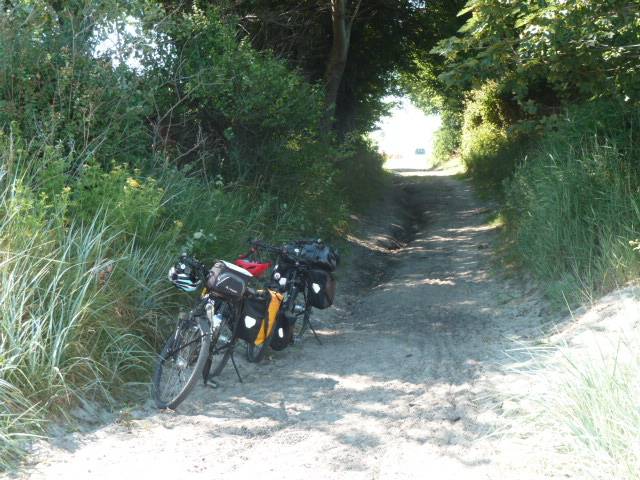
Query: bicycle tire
[181, 359]
[301, 324]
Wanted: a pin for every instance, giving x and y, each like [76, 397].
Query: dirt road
[411, 381]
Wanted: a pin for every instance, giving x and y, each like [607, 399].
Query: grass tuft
[587, 400]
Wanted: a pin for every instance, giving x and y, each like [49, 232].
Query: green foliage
[573, 205]
[68, 333]
[51, 86]
[547, 50]
[300, 31]
[489, 147]
[422, 82]
[360, 168]
[130, 203]
[447, 139]
[511, 71]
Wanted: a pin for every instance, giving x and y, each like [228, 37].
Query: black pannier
[283, 336]
[319, 255]
[259, 316]
[321, 288]
[228, 280]
[256, 311]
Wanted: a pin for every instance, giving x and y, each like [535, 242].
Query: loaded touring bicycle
[230, 307]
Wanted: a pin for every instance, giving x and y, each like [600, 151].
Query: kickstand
[314, 333]
[235, 367]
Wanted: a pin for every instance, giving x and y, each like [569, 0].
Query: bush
[59, 91]
[447, 138]
[243, 114]
[360, 175]
[489, 145]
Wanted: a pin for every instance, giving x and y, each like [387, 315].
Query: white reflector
[249, 321]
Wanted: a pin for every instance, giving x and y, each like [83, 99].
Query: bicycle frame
[199, 310]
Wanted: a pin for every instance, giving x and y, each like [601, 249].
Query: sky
[406, 129]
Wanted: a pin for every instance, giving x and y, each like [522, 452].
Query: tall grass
[588, 401]
[573, 205]
[65, 334]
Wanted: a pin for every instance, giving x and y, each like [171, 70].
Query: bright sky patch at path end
[404, 132]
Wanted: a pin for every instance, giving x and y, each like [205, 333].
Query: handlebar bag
[312, 253]
[228, 280]
[259, 316]
[319, 255]
[321, 288]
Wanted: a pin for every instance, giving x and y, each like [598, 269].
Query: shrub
[489, 146]
[360, 175]
[447, 138]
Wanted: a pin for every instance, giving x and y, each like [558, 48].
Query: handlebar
[259, 244]
[196, 265]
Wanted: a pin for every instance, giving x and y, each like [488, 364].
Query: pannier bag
[228, 280]
[321, 288]
[259, 317]
[283, 336]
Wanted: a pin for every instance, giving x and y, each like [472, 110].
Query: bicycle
[302, 274]
[204, 340]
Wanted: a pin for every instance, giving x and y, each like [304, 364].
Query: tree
[354, 49]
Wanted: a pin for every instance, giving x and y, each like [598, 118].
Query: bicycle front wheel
[182, 358]
[299, 310]
[222, 344]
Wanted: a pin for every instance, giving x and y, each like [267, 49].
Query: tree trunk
[338, 56]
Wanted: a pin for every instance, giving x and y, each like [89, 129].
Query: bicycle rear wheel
[182, 358]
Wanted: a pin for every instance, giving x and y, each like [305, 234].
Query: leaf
[470, 6]
[525, 20]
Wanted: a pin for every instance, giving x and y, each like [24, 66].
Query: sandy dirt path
[410, 381]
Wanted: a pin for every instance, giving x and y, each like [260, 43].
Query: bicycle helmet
[184, 276]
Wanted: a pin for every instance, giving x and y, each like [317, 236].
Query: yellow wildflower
[133, 183]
